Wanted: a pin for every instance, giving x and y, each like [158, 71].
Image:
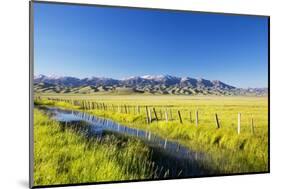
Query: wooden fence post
[217, 121]
[138, 109]
[125, 109]
[180, 116]
[155, 114]
[166, 116]
[147, 116]
[190, 117]
[161, 115]
[239, 123]
[196, 118]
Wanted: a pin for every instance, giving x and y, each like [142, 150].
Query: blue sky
[84, 41]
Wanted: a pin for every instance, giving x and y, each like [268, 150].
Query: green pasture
[231, 152]
[63, 156]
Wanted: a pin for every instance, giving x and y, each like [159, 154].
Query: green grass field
[230, 152]
[66, 157]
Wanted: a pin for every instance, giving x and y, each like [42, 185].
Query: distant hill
[159, 84]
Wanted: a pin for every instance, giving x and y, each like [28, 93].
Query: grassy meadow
[230, 152]
[63, 156]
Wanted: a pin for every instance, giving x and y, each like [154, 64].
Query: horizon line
[142, 76]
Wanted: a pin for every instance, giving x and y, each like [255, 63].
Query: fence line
[162, 114]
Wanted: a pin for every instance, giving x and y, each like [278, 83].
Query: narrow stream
[169, 156]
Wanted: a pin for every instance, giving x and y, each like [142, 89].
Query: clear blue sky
[84, 41]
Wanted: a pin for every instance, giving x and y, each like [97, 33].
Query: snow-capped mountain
[166, 80]
[58, 80]
[162, 84]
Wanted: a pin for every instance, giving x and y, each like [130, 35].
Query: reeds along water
[220, 142]
[185, 161]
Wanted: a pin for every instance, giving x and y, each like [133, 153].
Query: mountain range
[155, 84]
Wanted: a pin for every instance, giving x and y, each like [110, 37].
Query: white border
[15, 89]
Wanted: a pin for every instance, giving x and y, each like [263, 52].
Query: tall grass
[230, 152]
[63, 156]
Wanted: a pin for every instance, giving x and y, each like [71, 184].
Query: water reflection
[174, 159]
